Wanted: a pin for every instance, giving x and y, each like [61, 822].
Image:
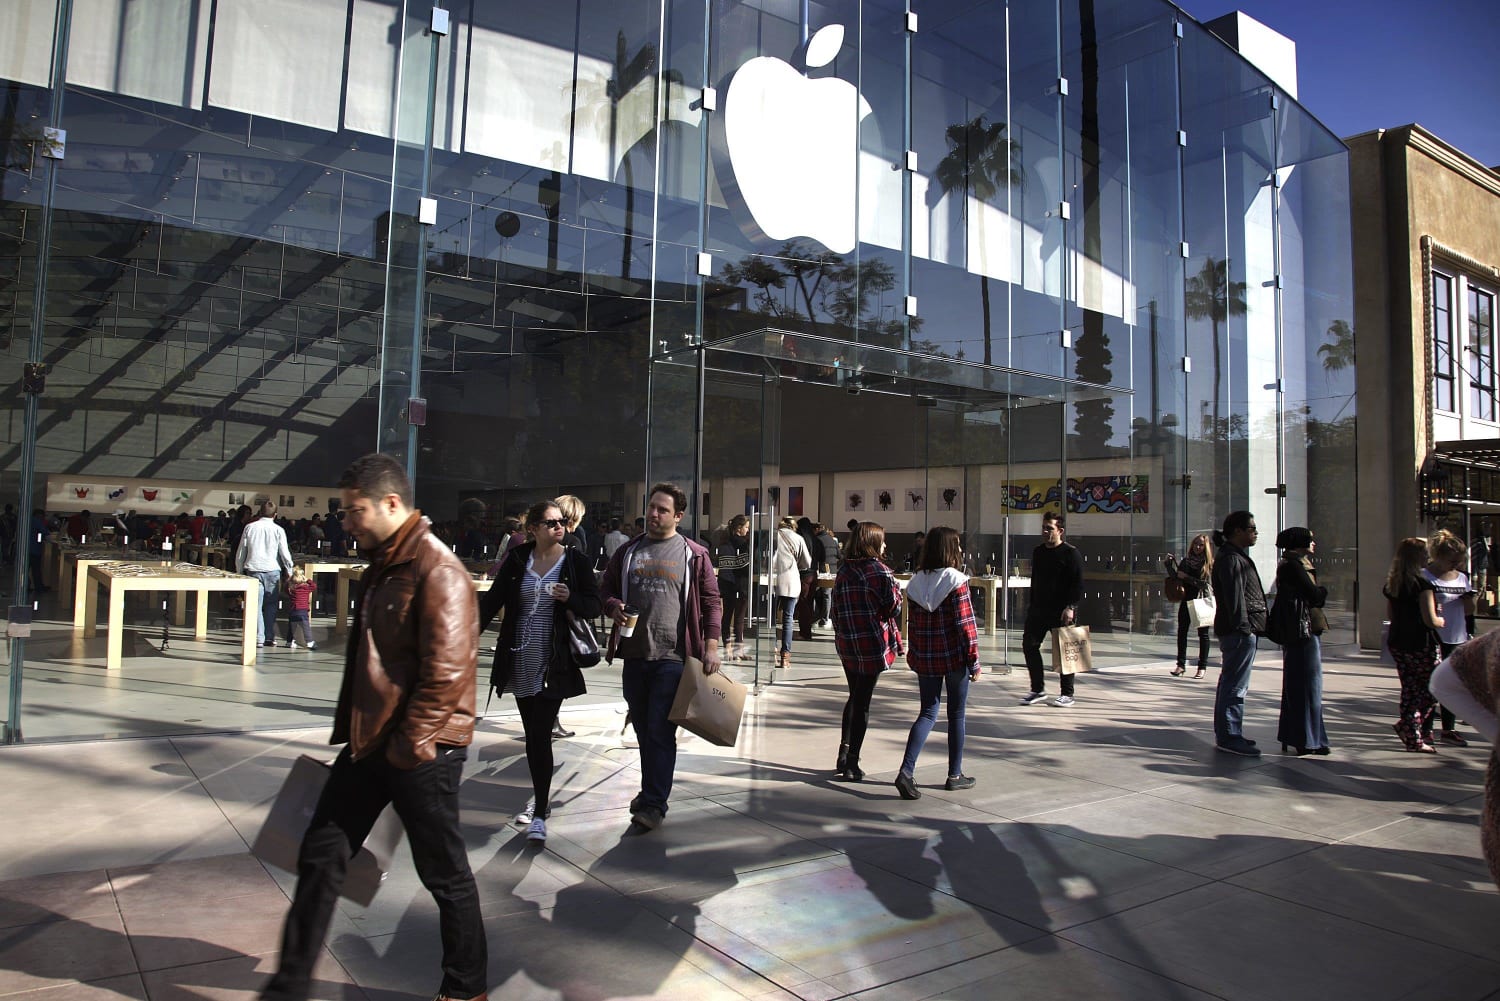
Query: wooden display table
[349, 574]
[205, 553]
[119, 578]
[68, 559]
[991, 586]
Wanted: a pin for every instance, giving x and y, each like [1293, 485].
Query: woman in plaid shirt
[866, 633]
[944, 652]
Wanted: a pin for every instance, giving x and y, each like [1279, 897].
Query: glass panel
[1442, 343]
[1481, 344]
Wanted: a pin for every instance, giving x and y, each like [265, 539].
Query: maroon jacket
[702, 608]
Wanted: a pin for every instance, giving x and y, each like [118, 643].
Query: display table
[119, 578]
[68, 558]
[205, 553]
[313, 564]
[349, 574]
[81, 563]
[993, 587]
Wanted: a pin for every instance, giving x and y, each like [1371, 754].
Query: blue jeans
[270, 584]
[426, 800]
[1238, 653]
[787, 607]
[650, 686]
[930, 689]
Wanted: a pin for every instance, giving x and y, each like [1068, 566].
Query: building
[1426, 229]
[927, 264]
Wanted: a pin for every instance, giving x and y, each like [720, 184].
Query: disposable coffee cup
[631, 615]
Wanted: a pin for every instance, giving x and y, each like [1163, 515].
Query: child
[301, 591]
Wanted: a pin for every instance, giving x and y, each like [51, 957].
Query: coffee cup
[631, 615]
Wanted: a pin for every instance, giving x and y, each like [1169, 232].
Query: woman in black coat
[538, 580]
[1301, 724]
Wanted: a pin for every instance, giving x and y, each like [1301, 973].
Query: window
[1442, 343]
[1481, 345]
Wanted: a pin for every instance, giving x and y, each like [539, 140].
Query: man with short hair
[263, 554]
[1239, 620]
[1056, 589]
[615, 538]
[406, 716]
[670, 581]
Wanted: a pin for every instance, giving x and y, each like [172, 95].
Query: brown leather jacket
[413, 652]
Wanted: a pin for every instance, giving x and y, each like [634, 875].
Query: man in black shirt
[1056, 587]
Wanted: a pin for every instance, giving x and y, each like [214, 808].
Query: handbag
[280, 837]
[1174, 589]
[1201, 612]
[708, 705]
[1284, 621]
[1072, 650]
[583, 645]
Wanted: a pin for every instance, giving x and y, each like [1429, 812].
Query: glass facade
[925, 264]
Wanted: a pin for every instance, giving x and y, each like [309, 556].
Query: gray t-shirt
[657, 575]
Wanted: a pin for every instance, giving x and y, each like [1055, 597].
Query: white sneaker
[537, 831]
[1063, 700]
[292, 645]
[311, 645]
[524, 817]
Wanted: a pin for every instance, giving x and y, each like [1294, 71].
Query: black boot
[843, 764]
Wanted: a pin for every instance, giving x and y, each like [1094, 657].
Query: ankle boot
[843, 758]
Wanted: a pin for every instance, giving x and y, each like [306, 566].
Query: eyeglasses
[553, 523]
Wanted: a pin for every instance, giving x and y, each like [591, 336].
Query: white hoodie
[930, 588]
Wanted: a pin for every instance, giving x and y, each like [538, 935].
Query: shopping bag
[1072, 653]
[280, 836]
[708, 705]
[1201, 612]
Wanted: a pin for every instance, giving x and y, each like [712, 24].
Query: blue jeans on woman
[787, 606]
[930, 689]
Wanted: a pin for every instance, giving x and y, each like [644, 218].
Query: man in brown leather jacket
[406, 717]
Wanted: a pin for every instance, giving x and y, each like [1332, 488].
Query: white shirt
[263, 548]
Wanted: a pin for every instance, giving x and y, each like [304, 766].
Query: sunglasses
[553, 523]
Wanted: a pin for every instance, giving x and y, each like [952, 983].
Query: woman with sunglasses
[538, 580]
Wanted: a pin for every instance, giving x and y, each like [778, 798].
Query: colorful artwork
[916, 500]
[854, 500]
[116, 493]
[1031, 495]
[183, 496]
[794, 501]
[1109, 495]
[149, 493]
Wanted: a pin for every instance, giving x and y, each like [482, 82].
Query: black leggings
[538, 714]
[857, 711]
[1185, 626]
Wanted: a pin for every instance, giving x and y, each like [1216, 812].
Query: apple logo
[793, 144]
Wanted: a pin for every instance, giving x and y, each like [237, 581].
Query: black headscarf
[1294, 538]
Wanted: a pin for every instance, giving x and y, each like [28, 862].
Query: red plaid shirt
[946, 639]
[866, 613]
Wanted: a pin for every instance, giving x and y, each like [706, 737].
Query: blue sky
[1382, 63]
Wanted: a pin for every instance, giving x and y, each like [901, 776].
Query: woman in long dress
[1301, 726]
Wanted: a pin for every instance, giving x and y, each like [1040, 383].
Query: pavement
[1107, 851]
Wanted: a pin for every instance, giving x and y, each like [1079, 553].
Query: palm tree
[981, 160]
[1338, 354]
[1210, 295]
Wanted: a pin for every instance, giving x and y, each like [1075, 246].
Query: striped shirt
[534, 632]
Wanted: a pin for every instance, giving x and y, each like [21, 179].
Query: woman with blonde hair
[1454, 595]
[1411, 607]
[1195, 571]
[572, 510]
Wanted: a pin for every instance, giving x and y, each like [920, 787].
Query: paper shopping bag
[1072, 652]
[280, 838]
[708, 705]
[1201, 612]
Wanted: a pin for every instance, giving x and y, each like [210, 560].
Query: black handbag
[583, 645]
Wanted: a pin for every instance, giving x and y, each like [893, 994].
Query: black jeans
[538, 713]
[426, 799]
[1184, 626]
[857, 711]
[1031, 647]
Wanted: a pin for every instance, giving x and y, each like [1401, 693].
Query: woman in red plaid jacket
[866, 633]
[944, 653]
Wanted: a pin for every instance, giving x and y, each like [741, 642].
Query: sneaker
[1033, 698]
[1063, 700]
[311, 645]
[291, 644]
[1453, 737]
[537, 831]
[269, 643]
[636, 802]
[959, 782]
[648, 818]
[907, 786]
[524, 817]
[1240, 746]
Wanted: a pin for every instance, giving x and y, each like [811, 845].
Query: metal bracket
[911, 305]
[427, 212]
[705, 265]
[34, 378]
[911, 21]
[440, 21]
[54, 144]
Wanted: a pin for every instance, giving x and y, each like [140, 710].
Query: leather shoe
[559, 733]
